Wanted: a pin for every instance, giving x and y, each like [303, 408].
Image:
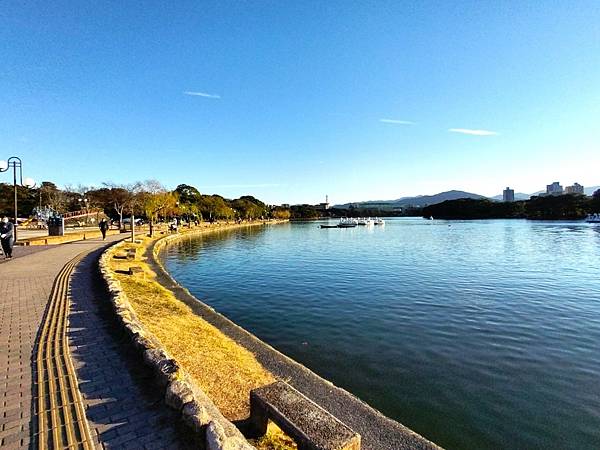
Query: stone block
[309, 425]
[216, 439]
[178, 394]
[196, 415]
[135, 270]
[167, 371]
[153, 356]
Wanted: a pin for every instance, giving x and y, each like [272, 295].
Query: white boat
[379, 221]
[365, 221]
[593, 218]
[347, 223]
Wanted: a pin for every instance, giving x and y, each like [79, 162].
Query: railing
[81, 213]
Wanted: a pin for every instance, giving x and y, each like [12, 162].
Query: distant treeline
[307, 212]
[563, 207]
[149, 200]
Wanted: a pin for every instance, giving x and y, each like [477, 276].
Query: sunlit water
[476, 334]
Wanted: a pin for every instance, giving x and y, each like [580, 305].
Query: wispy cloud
[201, 94]
[473, 132]
[397, 122]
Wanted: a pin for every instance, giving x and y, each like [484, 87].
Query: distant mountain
[518, 196]
[421, 201]
[418, 201]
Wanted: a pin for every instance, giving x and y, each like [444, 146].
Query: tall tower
[508, 195]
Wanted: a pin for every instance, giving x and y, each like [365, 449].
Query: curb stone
[197, 410]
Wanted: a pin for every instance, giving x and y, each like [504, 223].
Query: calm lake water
[476, 334]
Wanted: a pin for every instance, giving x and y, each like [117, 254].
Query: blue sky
[290, 101]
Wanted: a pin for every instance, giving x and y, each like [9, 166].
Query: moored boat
[379, 221]
[365, 221]
[593, 218]
[347, 223]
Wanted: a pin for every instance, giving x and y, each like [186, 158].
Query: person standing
[103, 225]
[7, 237]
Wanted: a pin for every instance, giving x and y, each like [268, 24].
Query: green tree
[156, 202]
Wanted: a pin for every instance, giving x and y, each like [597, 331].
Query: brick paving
[124, 409]
[120, 403]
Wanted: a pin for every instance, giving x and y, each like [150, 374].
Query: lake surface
[476, 334]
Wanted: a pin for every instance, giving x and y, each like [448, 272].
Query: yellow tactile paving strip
[61, 420]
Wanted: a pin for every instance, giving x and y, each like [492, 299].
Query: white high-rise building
[508, 195]
[554, 189]
[575, 189]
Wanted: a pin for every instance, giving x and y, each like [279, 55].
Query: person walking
[7, 237]
[103, 225]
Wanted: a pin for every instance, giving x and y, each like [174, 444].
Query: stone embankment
[180, 393]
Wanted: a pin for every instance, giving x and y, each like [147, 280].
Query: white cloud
[397, 122]
[201, 94]
[473, 132]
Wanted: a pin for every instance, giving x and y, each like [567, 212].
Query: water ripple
[479, 335]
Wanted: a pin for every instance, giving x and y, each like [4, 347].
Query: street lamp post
[85, 202]
[16, 163]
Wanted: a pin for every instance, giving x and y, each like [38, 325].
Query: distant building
[323, 206]
[508, 195]
[575, 189]
[554, 189]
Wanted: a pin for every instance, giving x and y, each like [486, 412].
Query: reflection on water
[477, 334]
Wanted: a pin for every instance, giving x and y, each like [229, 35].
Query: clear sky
[289, 101]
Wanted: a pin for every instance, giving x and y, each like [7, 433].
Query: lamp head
[29, 182]
[3, 165]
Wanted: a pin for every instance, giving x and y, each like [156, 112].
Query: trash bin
[56, 226]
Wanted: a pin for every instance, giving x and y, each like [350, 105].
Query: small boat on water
[379, 221]
[593, 218]
[347, 223]
[365, 221]
[344, 223]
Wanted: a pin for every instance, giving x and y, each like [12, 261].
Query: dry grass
[275, 439]
[223, 369]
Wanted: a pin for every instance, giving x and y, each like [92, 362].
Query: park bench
[309, 425]
[135, 270]
[131, 253]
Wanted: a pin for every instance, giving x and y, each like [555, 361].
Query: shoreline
[377, 430]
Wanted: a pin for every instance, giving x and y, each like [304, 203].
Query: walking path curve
[122, 409]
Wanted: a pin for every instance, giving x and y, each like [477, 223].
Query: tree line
[149, 200]
[562, 207]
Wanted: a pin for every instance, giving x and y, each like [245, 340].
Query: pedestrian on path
[7, 237]
[103, 225]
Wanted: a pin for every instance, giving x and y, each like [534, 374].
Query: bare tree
[54, 198]
[121, 197]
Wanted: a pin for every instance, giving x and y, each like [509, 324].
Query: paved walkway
[25, 286]
[123, 408]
